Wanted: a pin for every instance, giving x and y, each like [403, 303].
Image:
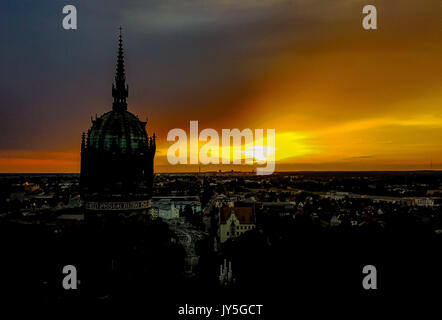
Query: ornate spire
[119, 89]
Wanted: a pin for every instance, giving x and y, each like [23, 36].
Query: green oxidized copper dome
[119, 131]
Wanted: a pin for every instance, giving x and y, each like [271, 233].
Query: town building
[164, 209]
[234, 221]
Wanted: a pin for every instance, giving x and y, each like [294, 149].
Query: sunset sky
[338, 96]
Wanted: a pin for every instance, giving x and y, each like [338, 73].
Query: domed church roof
[117, 156]
[119, 131]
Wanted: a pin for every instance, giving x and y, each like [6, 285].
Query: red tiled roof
[243, 214]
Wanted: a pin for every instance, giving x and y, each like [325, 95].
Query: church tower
[117, 156]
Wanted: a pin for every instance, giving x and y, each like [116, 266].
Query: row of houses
[406, 201]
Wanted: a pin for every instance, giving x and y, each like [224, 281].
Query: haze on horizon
[339, 97]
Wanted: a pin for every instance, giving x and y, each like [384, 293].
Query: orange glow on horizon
[339, 98]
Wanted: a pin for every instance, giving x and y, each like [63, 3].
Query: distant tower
[117, 156]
